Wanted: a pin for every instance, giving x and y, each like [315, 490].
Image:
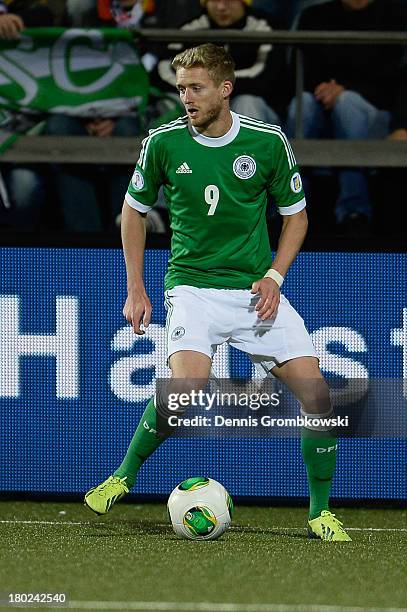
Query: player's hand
[10, 26]
[137, 310]
[326, 93]
[269, 291]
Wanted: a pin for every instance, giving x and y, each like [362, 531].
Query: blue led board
[74, 379]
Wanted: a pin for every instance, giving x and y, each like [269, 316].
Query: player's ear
[227, 88]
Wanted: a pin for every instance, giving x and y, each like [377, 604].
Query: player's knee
[185, 390]
[192, 365]
[315, 397]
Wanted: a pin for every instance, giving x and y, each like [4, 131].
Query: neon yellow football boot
[327, 527]
[101, 498]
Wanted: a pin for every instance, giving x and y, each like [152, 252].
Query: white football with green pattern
[200, 509]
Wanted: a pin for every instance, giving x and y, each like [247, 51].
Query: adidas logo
[183, 169]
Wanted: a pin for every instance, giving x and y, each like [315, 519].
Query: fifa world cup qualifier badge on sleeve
[296, 183]
[137, 180]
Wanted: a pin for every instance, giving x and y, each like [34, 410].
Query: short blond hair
[217, 61]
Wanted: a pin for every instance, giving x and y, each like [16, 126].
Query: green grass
[132, 555]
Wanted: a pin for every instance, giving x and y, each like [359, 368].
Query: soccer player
[217, 169]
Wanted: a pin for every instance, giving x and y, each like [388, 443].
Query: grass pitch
[131, 560]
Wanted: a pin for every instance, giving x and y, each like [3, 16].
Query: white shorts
[202, 319]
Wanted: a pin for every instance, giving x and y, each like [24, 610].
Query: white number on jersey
[212, 198]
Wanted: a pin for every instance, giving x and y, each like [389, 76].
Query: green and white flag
[87, 73]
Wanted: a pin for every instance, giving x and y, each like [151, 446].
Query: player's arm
[292, 236]
[285, 186]
[139, 199]
[137, 308]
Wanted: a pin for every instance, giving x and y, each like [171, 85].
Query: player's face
[202, 98]
[225, 12]
[356, 5]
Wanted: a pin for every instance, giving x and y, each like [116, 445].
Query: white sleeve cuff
[294, 208]
[136, 204]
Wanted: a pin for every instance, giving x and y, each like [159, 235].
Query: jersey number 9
[211, 198]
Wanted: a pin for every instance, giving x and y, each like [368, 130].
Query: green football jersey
[216, 191]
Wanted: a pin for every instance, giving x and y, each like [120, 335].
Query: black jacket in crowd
[374, 71]
[261, 70]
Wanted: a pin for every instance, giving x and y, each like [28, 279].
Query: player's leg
[291, 357]
[189, 351]
[304, 379]
[152, 430]
[318, 442]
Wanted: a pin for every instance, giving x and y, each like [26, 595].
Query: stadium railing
[117, 150]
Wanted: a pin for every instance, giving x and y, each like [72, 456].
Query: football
[200, 509]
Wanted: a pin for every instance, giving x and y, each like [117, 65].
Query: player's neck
[219, 127]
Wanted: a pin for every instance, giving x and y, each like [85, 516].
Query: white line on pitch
[271, 529]
[204, 606]
[18, 522]
[233, 528]
[376, 529]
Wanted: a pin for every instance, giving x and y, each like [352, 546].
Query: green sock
[145, 441]
[319, 453]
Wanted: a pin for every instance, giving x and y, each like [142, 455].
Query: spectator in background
[352, 91]
[260, 90]
[10, 23]
[125, 14]
[23, 186]
[173, 14]
[75, 10]
[15, 15]
[80, 190]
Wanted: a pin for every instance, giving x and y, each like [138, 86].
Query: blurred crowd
[351, 92]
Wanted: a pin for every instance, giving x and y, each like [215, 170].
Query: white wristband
[276, 276]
